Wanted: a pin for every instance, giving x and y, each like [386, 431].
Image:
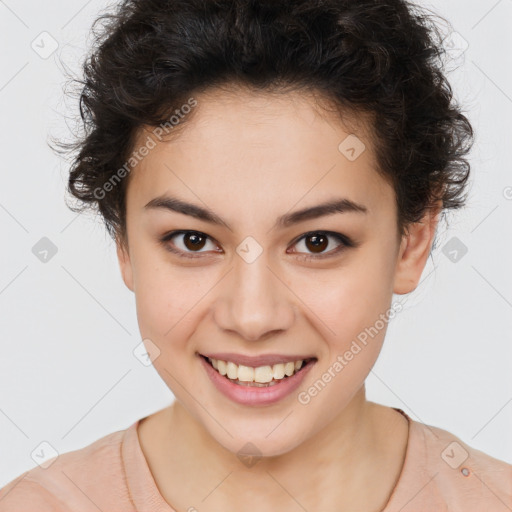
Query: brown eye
[316, 242]
[193, 241]
[187, 243]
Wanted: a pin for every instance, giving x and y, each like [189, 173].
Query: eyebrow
[338, 205]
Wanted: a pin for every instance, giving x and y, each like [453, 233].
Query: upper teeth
[260, 374]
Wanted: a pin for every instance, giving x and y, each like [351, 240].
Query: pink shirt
[440, 473]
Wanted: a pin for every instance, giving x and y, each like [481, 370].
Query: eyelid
[344, 240]
[185, 254]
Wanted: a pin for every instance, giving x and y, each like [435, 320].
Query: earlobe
[414, 251]
[125, 265]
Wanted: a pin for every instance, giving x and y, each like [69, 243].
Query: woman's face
[247, 281]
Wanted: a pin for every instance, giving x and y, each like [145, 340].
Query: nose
[254, 301]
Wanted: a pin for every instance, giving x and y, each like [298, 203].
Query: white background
[68, 326]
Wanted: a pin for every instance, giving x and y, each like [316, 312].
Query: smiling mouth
[261, 376]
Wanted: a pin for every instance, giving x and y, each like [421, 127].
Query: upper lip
[255, 361]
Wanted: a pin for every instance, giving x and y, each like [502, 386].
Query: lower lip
[252, 395]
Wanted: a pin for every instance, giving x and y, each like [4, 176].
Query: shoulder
[22, 494]
[74, 480]
[460, 475]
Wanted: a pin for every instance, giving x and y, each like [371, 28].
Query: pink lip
[249, 395]
[255, 361]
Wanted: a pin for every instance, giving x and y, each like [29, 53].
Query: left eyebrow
[339, 205]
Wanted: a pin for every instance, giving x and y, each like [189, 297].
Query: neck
[332, 470]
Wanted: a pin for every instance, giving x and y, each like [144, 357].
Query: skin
[251, 157]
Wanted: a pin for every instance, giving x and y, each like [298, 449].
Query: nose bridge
[255, 301]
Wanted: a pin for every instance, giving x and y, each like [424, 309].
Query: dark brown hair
[382, 58]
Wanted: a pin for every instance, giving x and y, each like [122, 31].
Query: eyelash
[345, 242]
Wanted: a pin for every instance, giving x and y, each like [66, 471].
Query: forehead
[243, 147]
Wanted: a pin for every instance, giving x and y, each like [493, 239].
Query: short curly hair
[380, 59]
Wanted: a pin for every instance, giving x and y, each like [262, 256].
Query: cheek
[353, 313]
[170, 302]
[349, 299]
[351, 307]
[161, 300]
[165, 319]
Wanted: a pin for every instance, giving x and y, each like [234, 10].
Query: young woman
[272, 173]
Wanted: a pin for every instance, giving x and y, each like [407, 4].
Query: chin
[258, 442]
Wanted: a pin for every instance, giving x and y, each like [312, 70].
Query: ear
[125, 264]
[414, 250]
